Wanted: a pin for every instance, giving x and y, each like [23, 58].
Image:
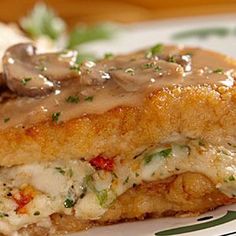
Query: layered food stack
[147, 134]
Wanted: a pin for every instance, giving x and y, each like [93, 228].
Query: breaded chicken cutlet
[147, 134]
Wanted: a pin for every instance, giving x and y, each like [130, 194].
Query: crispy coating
[182, 195]
[200, 111]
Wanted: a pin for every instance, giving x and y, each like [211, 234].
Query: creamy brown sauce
[123, 80]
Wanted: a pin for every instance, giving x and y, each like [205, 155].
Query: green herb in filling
[60, 170]
[69, 203]
[102, 197]
[37, 213]
[71, 198]
[164, 153]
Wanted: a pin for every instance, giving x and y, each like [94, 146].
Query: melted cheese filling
[31, 193]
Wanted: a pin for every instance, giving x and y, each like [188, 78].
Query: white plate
[146, 34]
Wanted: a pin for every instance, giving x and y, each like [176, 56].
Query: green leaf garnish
[42, 21]
[164, 153]
[85, 34]
[72, 99]
[202, 33]
[156, 49]
[81, 57]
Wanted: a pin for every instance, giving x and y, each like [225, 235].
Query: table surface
[91, 11]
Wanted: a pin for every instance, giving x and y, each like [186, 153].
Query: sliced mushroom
[29, 74]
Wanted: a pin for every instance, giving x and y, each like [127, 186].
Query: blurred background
[91, 11]
[95, 27]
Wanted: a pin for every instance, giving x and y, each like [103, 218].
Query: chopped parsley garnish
[75, 67]
[157, 68]
[129, 71]
[89, 99]
[218, 71]
[136, 174]
[25, 80]
[231, 178]
[60, 170]
[72, 99]
[5, 120]
[108, 56]
[156, 49]
[172, 59]
[164, 153]
[37, 213]
[148, 65]
[55, 116]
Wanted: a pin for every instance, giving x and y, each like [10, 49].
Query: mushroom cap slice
[29, 74]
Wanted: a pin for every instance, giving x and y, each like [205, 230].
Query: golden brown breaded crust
[185, 194]
[200, 111]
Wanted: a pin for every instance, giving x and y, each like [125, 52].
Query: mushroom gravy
[54, 87]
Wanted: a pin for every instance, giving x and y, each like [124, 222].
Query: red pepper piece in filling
[22, 199]
[102, 163]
